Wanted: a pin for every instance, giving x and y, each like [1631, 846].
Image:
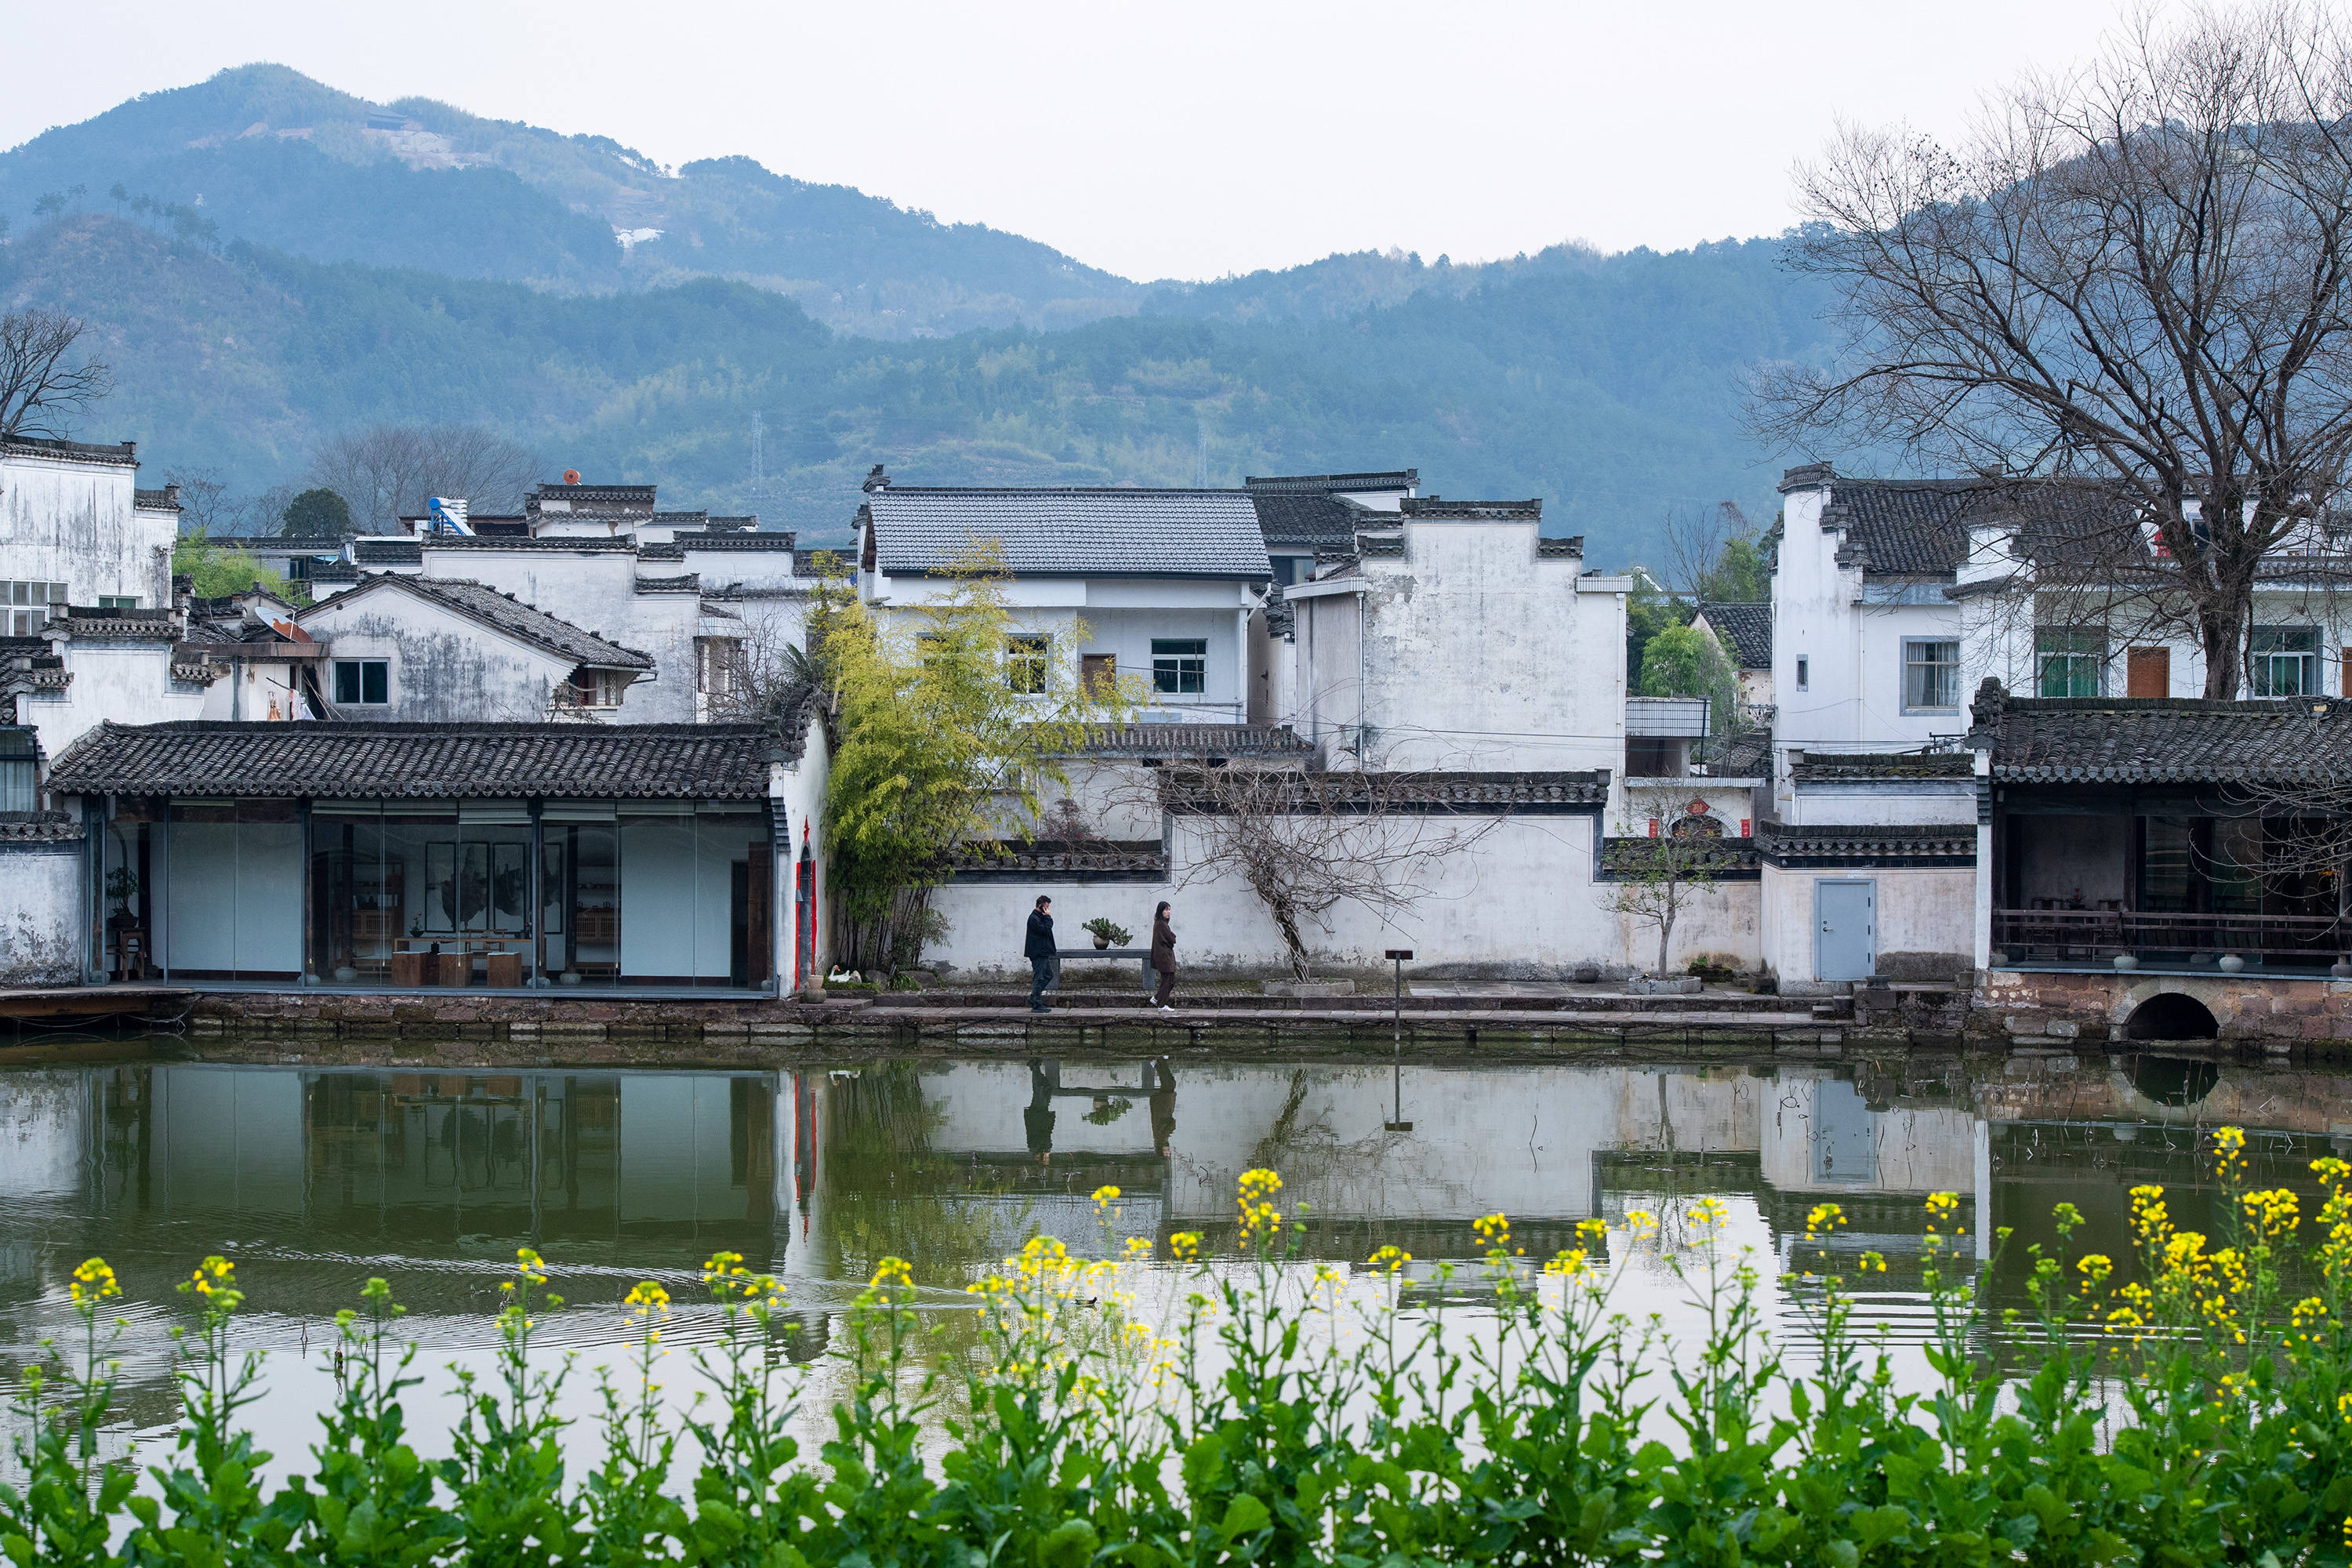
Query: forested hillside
[1608, 387]
[267, 262]
[265, 155]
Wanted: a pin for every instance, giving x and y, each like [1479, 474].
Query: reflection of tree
[887, 1193]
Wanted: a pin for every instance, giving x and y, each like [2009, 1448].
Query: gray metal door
[1845, 946]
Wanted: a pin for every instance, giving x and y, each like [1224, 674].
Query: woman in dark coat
[1163, 957]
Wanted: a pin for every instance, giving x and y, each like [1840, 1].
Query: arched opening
[2173, 1080]
[2172, 1016]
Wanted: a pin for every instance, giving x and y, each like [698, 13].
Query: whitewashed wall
[445, 667]
[73, 520]
[129, 682]
[41, 894]
[1925, 921]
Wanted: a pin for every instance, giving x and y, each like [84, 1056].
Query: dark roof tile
[367, 761]
[504, 614]
[1071, 532]
[1745, 627]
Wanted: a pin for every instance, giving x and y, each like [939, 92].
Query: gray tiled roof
[338, 572]
[1071, 532]
[503, 613]
[1912, 527]
[743, 539]
[165, 500]
[387, 552]
[1514, 793]
[686, 583]
[39, 827]
[1745, 627]
[366, 760]
[549, 542]
[2163, 739]
[81, 451]
[1195, 740]
[1834, 767]
[1330, 484]
[1949, 843]
[1438, 509]
[87, 621]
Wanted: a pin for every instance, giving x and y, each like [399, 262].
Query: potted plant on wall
[1108, 932]
[121, 887]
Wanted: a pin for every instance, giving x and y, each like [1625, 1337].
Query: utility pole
[758, 459]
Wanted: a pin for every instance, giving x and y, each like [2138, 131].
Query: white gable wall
[73, 520]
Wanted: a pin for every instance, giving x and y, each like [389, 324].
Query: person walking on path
[1040, 951]
[1163, 957]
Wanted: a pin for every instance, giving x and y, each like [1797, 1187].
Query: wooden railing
[2076, 934]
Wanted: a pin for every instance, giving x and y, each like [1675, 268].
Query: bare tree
[387, 471]
[2138, 274]
[205, 504]
[1711, 553]
[1309, 844]
[42, 385]
[1654, 880]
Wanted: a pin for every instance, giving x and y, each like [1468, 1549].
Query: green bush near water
[2190, 1406]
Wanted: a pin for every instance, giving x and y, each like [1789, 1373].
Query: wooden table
[416, 963]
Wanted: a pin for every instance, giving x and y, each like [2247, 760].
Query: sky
[1190, 140]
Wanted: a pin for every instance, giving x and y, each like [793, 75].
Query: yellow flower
[1185, 1246]
[1639, 1220]
[1942, 1207]
[1391, 1258]
[1709, 1212]
[93, 1282]
[2096, 1266]
[1873, 1262]
[647, 1300]
[1105, 1197]
[892, 1273]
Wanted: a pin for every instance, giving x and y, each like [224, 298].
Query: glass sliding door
[580, 893]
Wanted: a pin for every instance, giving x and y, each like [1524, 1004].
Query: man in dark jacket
[1040, 951]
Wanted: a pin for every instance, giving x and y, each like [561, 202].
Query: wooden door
[759, 915]
[2148, 672]
[1098, 672]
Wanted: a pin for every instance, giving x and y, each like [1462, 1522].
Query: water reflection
[314, 1179]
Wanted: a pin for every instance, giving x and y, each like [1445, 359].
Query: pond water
[312, 1180]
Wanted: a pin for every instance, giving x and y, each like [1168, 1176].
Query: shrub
[2188, 1405]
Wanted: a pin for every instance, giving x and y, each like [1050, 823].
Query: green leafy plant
[1109, 930]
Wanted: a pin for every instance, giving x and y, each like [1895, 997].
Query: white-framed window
[1180, 665]
[1025, 656]
[1931, 675]
[24, 606]
[2071, 661]
[2285, 661]
[363, 682]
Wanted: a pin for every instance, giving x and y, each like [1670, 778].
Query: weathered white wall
[40, 915]
[1476, 653]
[1852, 699]
[248, 688]
[44, 1124]
[72, 520]
[1925, 921]
[1519, 902]
[445, 667]
[1892, 803]
[129, 682]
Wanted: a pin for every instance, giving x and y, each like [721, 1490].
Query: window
[118, 601]
[1099, 674]
[2071, 662]
[1804, 674]
[298, 568]
[1024, 664]
[592, 688]
[362, 682]
[1180, 665]
[19, 765]
[2285, 661]
[1285, 568]
[23, 606]
[1931, 675]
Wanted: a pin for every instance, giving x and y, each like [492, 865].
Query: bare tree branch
[387, 471]
[2140, 274]
[39, 388]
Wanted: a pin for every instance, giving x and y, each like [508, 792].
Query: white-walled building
[1163, 582]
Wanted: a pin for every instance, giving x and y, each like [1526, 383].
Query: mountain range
[265, 260]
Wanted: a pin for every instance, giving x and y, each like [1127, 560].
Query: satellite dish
[570, 476]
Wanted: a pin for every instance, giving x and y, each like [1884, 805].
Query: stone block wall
[2090, 1006]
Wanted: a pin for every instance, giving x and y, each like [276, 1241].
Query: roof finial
[875, 481]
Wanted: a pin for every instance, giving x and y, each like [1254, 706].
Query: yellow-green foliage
[936, 745]
[222, 570]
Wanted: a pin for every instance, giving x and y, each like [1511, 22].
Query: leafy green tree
[119, 194]
[1685, 661]
[318, 511]
[217, 571]
[48, 204]
[938, 749]
[1648, 612]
